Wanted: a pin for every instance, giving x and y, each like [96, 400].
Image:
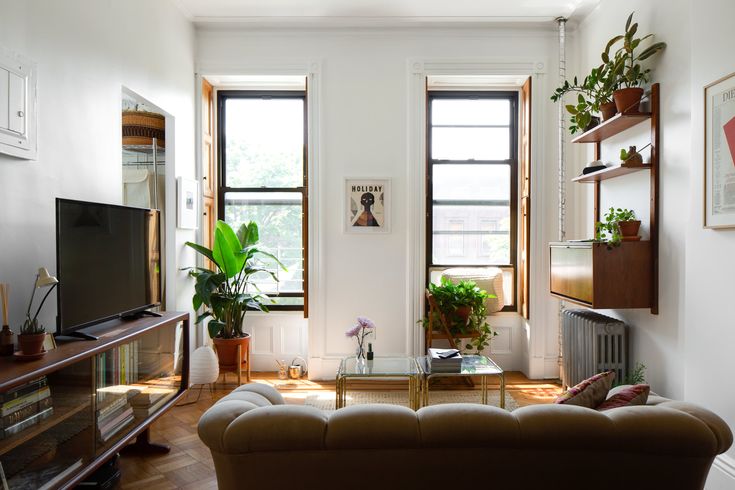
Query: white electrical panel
[17, 106]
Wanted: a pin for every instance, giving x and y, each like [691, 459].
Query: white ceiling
[382, 12]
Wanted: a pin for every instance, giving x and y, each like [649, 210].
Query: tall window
[263, 178]
[472, 181]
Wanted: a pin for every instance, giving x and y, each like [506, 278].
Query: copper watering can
[296, 371]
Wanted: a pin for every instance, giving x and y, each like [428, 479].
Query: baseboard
[722, 474]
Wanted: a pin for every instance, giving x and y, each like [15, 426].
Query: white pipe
[561, 21]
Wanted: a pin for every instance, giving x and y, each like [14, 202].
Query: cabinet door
[209, 169]
[571, 272]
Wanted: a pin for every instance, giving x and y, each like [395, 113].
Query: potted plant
[625, 66]
[228, 292]
[619, 225]
[464, 306]
[32, 333]
[594, 94]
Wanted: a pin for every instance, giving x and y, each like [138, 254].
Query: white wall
[710, 265]
[86, 51]
[364, 98]
[657, 340]
[688, 347]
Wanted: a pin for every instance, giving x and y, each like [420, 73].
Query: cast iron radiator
[592, 343]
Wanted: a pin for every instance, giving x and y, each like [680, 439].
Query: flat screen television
[108, 262]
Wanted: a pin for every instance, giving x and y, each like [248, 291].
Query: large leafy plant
[450, 299]
[595, 90]
[624, 62]
[227, 292]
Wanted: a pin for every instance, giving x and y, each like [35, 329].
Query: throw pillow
[628, 396]
[590, 392]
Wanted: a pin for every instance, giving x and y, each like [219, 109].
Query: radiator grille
[592, 343]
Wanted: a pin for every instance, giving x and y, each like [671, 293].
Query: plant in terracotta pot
[32, 333]
[619, 225]
[594, 95]
[464, 306]
[624, 64]
[229, 291]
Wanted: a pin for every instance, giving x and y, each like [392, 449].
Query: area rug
[325, 400]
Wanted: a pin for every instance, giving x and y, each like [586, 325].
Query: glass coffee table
[380, 367]
[472, 365]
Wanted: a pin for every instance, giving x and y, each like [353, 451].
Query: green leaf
[233, 243]
[214, 328]
[651, 50]
[202, 250]
[223, 254]
[248, 234]
[571, 109]
[610, 44]
[630, 19]
[580, 99]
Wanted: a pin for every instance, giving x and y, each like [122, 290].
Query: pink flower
[365, 322]
[353, 331]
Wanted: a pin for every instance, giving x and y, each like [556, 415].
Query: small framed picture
[367, 205]
[49, 342]
[719, 153]
[187, 192]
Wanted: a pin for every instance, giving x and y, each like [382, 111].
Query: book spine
[19, 403]
[8, 431]
[19, 415]
[23, 390]
[112, 407]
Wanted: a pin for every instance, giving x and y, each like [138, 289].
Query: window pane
[492, 112]
[264, 142]
[486, 182]
[278, 215]
[483, 231]
[470, 143]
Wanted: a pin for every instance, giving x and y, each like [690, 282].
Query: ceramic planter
[628, 100]
[629, 230]
[227, 351]
[608, 110]
[31, 343]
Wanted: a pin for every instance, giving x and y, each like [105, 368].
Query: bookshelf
[103, 394]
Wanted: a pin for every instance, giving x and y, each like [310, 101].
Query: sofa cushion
[373, 426]
[267, 391]
[564, 428]
[629, 396]
[467, 425]
[588, 393]
[248, 396]
[276, 428]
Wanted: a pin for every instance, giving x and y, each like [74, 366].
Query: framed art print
[719, 153]
[188, 202]
[367, 205]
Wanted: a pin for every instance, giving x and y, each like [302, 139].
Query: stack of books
[445, 360]
[25, 406]
[113, 413]
[150, 399]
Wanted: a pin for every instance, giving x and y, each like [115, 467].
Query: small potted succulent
[32, 333]
[228, 292]
[625, 66]
[620, 225]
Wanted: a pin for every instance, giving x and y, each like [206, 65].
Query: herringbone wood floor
[189, 464]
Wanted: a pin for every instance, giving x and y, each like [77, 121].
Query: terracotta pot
[31, 343]
[608, 110]
[463, 312]
[227, 351]
[628, 100]
[595, 121]
[629, 229]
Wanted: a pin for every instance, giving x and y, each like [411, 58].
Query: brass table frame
[422, 363]
[414, 380]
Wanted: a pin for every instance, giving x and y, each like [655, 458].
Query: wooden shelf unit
[73, 401]
[597, 271]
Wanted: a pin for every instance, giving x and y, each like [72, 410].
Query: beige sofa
[259, 442]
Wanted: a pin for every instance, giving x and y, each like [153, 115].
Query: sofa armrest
[719, 428]
[217, 419]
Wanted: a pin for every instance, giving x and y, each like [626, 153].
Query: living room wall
[86, 51]
[364, 131]
[688, 347]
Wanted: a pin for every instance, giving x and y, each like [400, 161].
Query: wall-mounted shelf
[611, 127]
[590, 274]
[610, 172]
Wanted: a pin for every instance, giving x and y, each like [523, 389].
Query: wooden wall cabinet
[70, 411]
[599, 277]
[592, 274]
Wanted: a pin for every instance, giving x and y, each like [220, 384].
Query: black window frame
[222, 97]
[512, 96]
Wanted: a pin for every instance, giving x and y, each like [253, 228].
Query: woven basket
[139, 128]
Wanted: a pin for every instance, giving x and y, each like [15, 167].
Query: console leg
[143, 445]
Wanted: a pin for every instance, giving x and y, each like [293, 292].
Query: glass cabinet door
[47, 432]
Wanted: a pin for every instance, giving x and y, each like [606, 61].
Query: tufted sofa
[259, 442]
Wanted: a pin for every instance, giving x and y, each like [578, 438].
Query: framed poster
[367, 205]
[719, 153]
[188, 200]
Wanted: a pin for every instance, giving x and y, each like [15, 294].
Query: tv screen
[107, 261]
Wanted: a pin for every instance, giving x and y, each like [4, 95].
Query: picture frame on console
[719, 153]
[367, 205]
